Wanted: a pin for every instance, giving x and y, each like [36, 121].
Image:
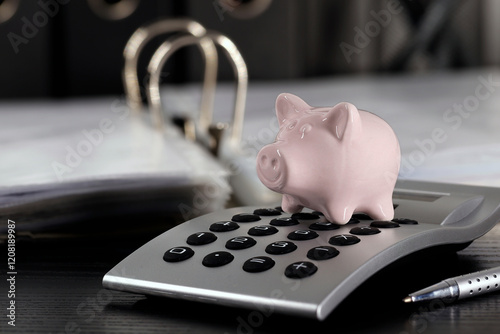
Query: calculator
[300, 264]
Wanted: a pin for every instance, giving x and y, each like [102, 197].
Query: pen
[460, 287]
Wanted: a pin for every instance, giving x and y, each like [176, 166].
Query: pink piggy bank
[336, 160]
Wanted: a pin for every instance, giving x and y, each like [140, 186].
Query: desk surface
[58, 285]
[58, 290]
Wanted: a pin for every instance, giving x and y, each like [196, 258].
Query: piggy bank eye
[292, 125]
[305, 129]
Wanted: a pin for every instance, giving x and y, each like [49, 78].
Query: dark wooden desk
[58, 290]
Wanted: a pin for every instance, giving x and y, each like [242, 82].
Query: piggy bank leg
[290, 204]
[383, 210]
[339, 213]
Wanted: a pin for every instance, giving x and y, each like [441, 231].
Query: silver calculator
[300, 264]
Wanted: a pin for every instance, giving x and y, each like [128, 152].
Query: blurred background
[65, 48]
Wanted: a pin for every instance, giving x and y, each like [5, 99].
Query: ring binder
[223, 140]
[135, 45]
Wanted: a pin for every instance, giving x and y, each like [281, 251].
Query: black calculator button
[178, 254]
[284, 221]
[258, 264]
[305, 216]
[322, 253]
[344, 240]
[224, 226]
[201, 238]
[217, 259]
[245, 218]
[280, 247]
[361, 216]
[384, 224]
[353, 221]
[240, 243]
[319, 213]
[267, 212]
[364, 230]
[405, 221]
[262, 230]
[302, 235]
[300, 270]
[323, 226]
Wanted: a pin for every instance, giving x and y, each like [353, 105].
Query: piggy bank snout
[271, 167]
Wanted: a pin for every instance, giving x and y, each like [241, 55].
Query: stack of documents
[76, 159]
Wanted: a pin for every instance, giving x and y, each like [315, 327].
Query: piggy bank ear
[344, 121]
[289, 106]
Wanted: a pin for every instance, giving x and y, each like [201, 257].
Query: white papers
[80, 147]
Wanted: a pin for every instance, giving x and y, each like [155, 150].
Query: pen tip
[407, 299]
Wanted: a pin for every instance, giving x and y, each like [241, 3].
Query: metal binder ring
[239, 67]
[160, 57]
[136, 43]
[113, 10]
[8, 9]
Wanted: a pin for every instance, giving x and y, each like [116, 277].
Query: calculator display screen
[417, 195]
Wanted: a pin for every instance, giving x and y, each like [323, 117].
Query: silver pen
[460, 287]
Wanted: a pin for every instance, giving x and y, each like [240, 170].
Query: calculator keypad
[313, 226]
